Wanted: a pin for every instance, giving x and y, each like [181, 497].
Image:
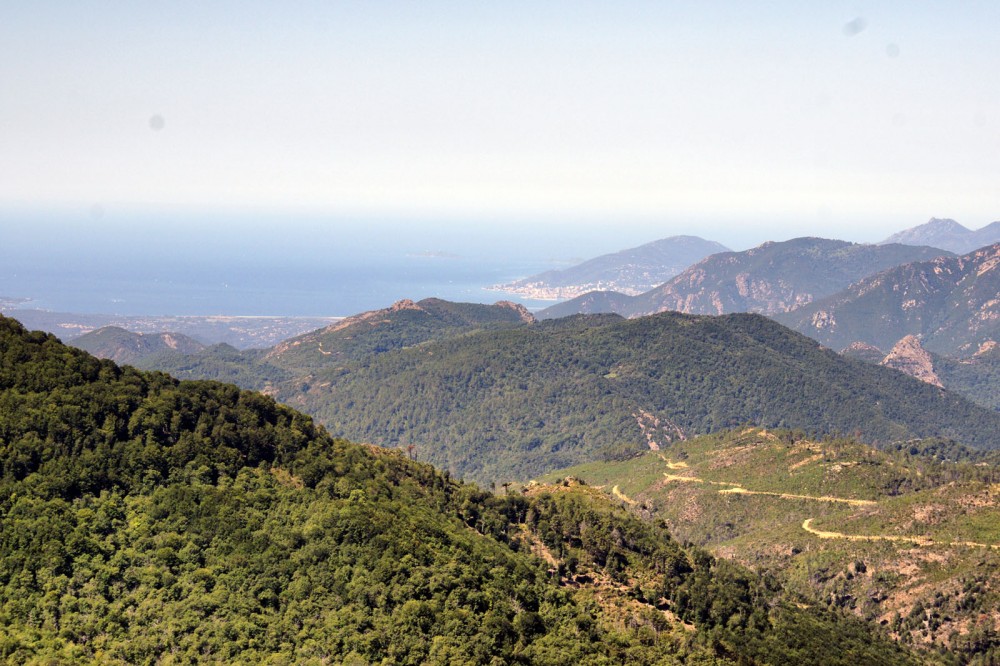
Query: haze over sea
[204, 263]
[239, 264]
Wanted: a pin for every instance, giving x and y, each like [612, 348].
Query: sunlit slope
[145, 520]
[770, 278]
[404, 324]
[902, 540]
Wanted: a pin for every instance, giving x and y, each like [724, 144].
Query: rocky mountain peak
[947, 234]
[521, 311]
[908, 356]
[404, 304]
[944, 224]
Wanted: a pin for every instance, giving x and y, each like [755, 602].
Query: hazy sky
[868, 115]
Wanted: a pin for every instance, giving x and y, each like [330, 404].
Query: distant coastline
[240, 331]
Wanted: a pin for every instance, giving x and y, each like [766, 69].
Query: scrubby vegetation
[908, 539]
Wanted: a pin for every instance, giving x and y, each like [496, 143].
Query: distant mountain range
[771, 278]
[948, 234]
[631, 271]
[951, 303]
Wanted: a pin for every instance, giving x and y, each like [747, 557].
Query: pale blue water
[272, 265]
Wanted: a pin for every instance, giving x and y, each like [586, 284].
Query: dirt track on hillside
[918, 540]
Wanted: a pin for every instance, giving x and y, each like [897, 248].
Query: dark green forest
[148, 520]
[512, 404]
[977, 378]
[404, 324]
[222, 363]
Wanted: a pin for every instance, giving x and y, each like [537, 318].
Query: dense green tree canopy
[516, 403]
[146, 520]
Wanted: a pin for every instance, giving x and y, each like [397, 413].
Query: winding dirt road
[918, 540]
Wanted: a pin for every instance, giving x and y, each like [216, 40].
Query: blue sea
[204, 264]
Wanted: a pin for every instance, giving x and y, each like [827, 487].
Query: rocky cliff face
[768, 279]
[952, 303]
[909, 357]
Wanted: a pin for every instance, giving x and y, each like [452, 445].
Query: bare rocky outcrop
[654, 428]
[909, 357]
[864, 351]
[988, 347]
[521, 311]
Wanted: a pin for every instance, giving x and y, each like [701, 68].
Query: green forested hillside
[977, 378]
[403, 324]
[908, 538]
[145, 520]
[222, 363]
[123, 346]
[512, 404]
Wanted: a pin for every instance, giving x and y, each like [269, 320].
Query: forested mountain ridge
[976, 377]
[771, 278]
[222, 363]
[145, 520]
[951, 303]
[511, 404]
[403, 324]
[630, 271]
[126, 347]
